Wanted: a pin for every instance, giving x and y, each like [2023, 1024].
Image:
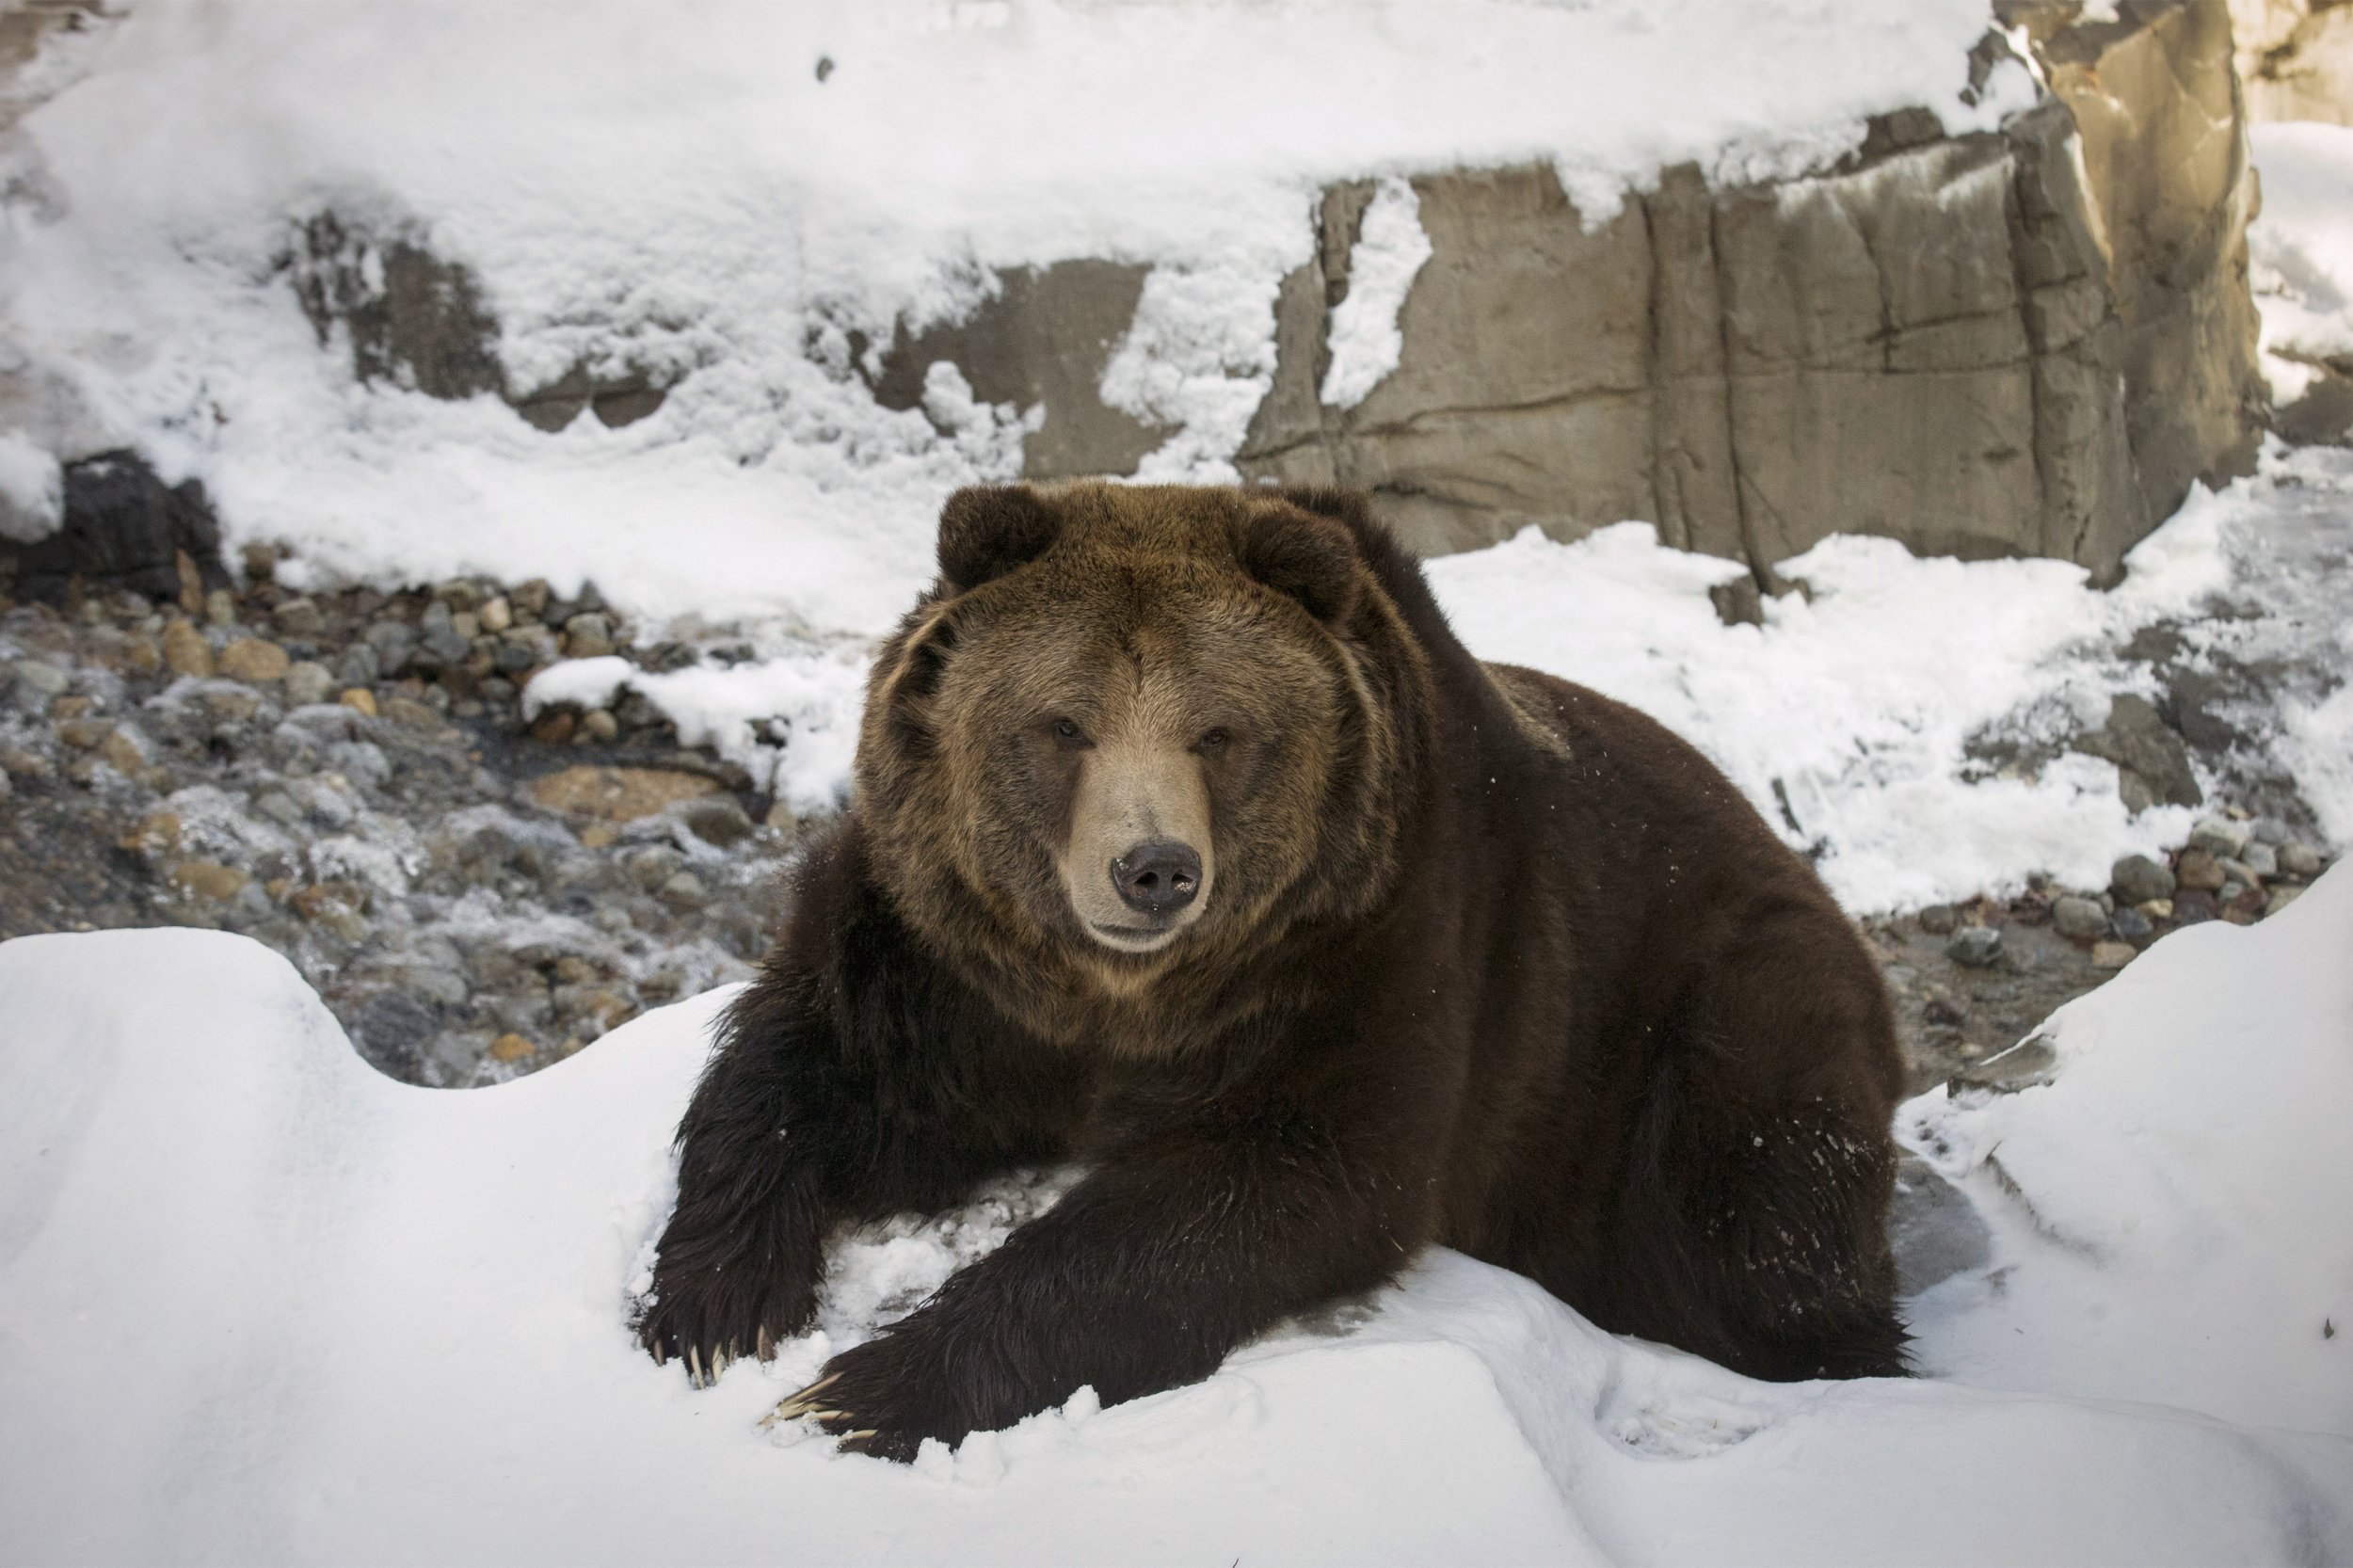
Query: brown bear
[1190, 844]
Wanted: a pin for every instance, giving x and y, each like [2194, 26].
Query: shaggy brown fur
[1478, 957]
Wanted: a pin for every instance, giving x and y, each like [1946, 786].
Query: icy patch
[1366, 339]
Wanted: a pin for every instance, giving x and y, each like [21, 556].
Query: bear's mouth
[1132, 938]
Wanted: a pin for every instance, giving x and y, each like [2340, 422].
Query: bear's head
[1135, 727]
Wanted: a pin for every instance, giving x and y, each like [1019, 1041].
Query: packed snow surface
[262, 1305]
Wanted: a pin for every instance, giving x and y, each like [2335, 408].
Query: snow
[32, 490]
[261, 1303]
[2301, 250]
[717, 216]
[1862, 718]
[1364, 340]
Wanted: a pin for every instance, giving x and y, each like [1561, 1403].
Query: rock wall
[2295, 58]
[2023, 342]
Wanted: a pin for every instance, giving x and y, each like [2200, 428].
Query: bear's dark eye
[1212, 739]
[1068, 734]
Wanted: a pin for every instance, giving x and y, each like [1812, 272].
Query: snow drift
[259, 1303]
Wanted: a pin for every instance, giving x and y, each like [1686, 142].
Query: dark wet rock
[123, 529]
[2132, 926]
[2151, 760]
[2136, 879]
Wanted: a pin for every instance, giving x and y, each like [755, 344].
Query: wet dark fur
[1570, 1007]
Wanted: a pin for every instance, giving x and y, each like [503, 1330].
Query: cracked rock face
[2027, 343]
[2296, 58]
[2023, 342]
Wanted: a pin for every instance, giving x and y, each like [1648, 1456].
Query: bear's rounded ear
[986, 530]
[1310, 558]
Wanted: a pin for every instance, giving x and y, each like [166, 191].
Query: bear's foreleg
[791, 1132]
[1141, 1279]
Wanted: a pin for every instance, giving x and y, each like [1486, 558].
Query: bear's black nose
[1157, 876]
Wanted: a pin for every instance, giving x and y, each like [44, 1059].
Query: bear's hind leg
[1751, 1226]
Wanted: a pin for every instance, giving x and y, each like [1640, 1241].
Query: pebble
[2111, 955]
[497, 614]
[186, 652]
[2281, 897]
[617, 794]
[717, 819]
[511, 1046]
[587, 635]
[46, 680]
[1937, 919]
[208, 879]
[598, 724]
[123, 753]
[359, 700]
[1978, 947]
[686, 889]
[2137, 879]
[2299, 860]
[2200, 870]
[408, 711]
[254, 659]
[309, 681]
[2262, 859]
[298, 617]
[2078, 918]
[2133, 926]
[2220, 836]
[220, 607]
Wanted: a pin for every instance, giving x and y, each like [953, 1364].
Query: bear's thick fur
[1190, 844]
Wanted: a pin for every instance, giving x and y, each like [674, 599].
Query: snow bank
[1864, 718]
[724, 196]
[258, 1302]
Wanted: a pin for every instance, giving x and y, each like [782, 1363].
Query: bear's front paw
[708, 1317]
[885, 1397]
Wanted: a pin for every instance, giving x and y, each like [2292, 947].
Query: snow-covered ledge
[261, 1303]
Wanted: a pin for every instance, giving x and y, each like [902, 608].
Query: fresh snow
[32, 490]
[714, 212]
[2301, 250]
[262, 1305]
[1366, 341]
[1861, 720]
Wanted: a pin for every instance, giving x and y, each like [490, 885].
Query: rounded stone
[2079, 920]
[2200, 870]
[1977, 947]
[2220, 836]
[308, 681]
[2111, 955]
[1938, 919]
[186, 652]
[254, 659]
[2299, 860]
[2136, 879]
[2133, 926]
